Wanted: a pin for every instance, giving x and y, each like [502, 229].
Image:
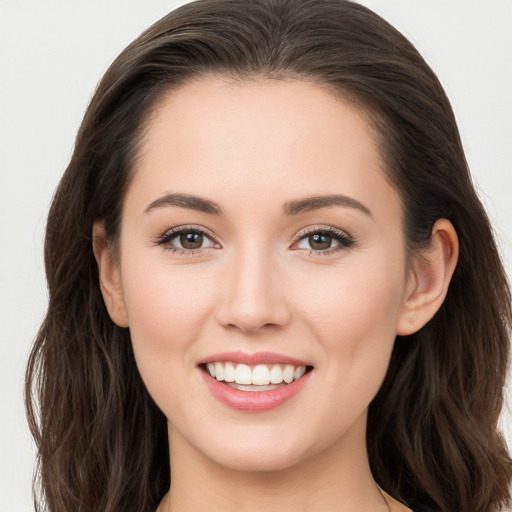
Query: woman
[271, 278]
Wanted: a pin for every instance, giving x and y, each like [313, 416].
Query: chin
[257, 452]
[256, 460]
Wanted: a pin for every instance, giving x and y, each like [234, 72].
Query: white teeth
[219, 371]
[288, 373]
[299, 372]
[243, 374]
[229, 372]
[276, 374]
[252, 387]
[261, 376]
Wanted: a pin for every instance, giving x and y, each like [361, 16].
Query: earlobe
[431, 273]
[109, 275]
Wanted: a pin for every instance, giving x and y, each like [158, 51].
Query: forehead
[214, 135]
[268, 112]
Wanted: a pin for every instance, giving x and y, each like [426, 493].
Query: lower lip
[253, 401]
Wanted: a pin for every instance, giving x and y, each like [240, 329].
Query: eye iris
[191, 240]
[320, 242]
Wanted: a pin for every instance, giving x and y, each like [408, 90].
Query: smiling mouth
[261, 377]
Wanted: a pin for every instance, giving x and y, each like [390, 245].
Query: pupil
[191, 240]
[320, 241]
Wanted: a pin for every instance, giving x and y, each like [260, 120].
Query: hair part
[432, 431]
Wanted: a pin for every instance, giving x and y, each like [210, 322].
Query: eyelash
[345, 241]
[166, 238]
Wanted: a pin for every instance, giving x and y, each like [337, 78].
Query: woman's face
[260, 235]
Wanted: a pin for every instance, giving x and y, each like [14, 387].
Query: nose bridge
[252, 296]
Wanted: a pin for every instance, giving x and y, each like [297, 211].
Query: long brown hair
[432, 431]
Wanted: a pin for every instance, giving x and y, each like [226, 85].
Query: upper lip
[253, 359]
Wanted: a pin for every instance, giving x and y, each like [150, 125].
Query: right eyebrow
[308, 204]
[188, 201]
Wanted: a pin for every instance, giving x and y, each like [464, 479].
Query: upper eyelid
[175, 231]
[190, 227]
[323, 229]
[302, 232]
[314, 229]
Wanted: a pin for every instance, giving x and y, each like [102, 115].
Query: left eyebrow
[187, 201]
[328, 201]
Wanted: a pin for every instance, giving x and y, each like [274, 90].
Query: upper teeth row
[258, 375]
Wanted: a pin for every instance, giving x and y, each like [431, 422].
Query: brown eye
[319, 242]
[186, 240]
[191, 240]
[324, 241]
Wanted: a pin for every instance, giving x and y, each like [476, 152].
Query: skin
[256, 284]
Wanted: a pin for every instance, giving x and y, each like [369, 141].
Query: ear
[110, 275]
[430, 275]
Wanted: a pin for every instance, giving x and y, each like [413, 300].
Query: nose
[252, 295]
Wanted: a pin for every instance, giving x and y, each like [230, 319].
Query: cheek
[166, 307]
[354, 316]
[353, 321]
[366, 295]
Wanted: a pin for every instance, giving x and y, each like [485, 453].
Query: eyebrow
[188, 201]
[327, 201]
[295, 207]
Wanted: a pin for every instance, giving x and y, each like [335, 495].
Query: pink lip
[253, 359]
[253, 401]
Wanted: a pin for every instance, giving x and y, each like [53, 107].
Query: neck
[338, 479]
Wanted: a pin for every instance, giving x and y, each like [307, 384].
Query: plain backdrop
[52, 54]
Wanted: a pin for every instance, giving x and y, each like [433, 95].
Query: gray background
[52, 54]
